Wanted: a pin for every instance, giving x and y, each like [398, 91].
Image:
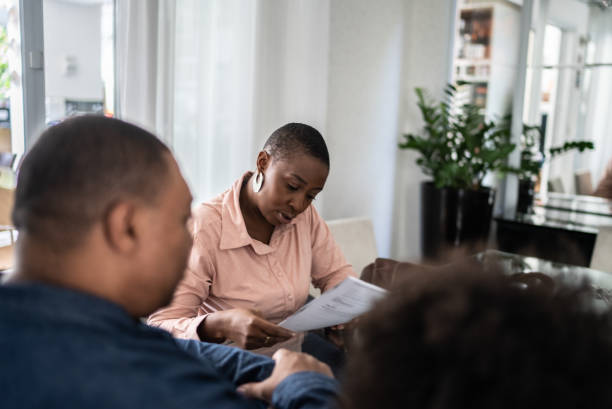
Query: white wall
[427, 62]
[370, 57]
[291, 57]
[72, 30]
[366, 44]
[378, 53]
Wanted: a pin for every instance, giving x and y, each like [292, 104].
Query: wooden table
[562, 228]
[600, 281]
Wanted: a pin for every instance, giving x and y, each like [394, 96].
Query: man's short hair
[478, 339]
[296, 138]
[80, 167]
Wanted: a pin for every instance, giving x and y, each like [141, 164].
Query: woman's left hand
[337, 333]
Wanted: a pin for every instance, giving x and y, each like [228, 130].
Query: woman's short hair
[296, 138]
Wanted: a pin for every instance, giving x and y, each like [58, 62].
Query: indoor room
[328, 158]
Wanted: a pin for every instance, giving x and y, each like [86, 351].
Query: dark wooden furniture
[562, 228]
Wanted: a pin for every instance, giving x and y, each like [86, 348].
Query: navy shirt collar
[45, 300]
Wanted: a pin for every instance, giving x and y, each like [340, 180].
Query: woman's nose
[298, 204]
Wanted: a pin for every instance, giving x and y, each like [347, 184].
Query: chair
[355, 237]
[584, 185]
[7, 240]
[602, 252]
[556, 185]
[7, 159]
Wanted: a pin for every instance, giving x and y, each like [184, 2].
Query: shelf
[480, 58]
[476, 6]
[470, 61]
[472, 79]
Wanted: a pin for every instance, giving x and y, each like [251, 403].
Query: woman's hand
[337, 334]
[246, 328]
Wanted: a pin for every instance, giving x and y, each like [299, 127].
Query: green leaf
[457, 145]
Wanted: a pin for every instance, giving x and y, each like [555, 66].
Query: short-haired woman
[257, 247]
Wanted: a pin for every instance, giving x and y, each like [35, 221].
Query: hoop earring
[258, 181]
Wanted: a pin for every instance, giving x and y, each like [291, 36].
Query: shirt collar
[53, 302]
[233, 230]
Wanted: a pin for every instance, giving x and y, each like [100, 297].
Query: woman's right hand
[246, 328]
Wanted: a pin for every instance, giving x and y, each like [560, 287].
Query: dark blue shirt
[61, 348]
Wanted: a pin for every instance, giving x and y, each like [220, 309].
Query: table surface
[576, 203]
[563, 211]
[511, 263]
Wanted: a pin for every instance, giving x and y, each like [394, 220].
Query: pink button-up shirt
[229, 269]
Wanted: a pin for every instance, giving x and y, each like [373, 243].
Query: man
[102, 213]
[469, 338]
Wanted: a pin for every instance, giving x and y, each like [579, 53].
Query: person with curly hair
[470, 338]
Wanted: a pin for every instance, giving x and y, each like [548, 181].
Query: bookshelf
[485, 54]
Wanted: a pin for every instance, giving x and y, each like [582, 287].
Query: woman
[257, 247]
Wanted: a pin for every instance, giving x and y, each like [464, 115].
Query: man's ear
[120, 226]
[263, 160]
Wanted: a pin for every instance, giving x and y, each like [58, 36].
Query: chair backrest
[355, 237]
[584, 185]
[556, 185]
[7, 199]
[7, 159]
[602, 253]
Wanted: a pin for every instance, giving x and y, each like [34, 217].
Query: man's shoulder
[102, 369]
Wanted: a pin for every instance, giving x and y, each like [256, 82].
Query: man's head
[477, 339]
[103, 201]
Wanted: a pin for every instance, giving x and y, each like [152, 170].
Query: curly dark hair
[471, 338]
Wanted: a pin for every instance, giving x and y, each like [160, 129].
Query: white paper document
[347, 300]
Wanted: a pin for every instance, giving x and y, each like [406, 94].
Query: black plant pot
[525, 196]
[454, 217]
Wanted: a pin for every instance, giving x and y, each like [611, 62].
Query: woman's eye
[292, 188]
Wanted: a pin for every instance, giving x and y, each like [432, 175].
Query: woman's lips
[284, 218]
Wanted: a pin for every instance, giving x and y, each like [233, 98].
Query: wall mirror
[568, 90]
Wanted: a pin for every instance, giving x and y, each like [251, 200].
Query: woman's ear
[263, 160]
[120, 227]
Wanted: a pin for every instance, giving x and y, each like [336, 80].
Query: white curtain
[214, 78]
[213, 95]
[145, 63]
[136, 60]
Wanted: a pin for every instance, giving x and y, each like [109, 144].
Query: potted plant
[458, 147]
[532, 160]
